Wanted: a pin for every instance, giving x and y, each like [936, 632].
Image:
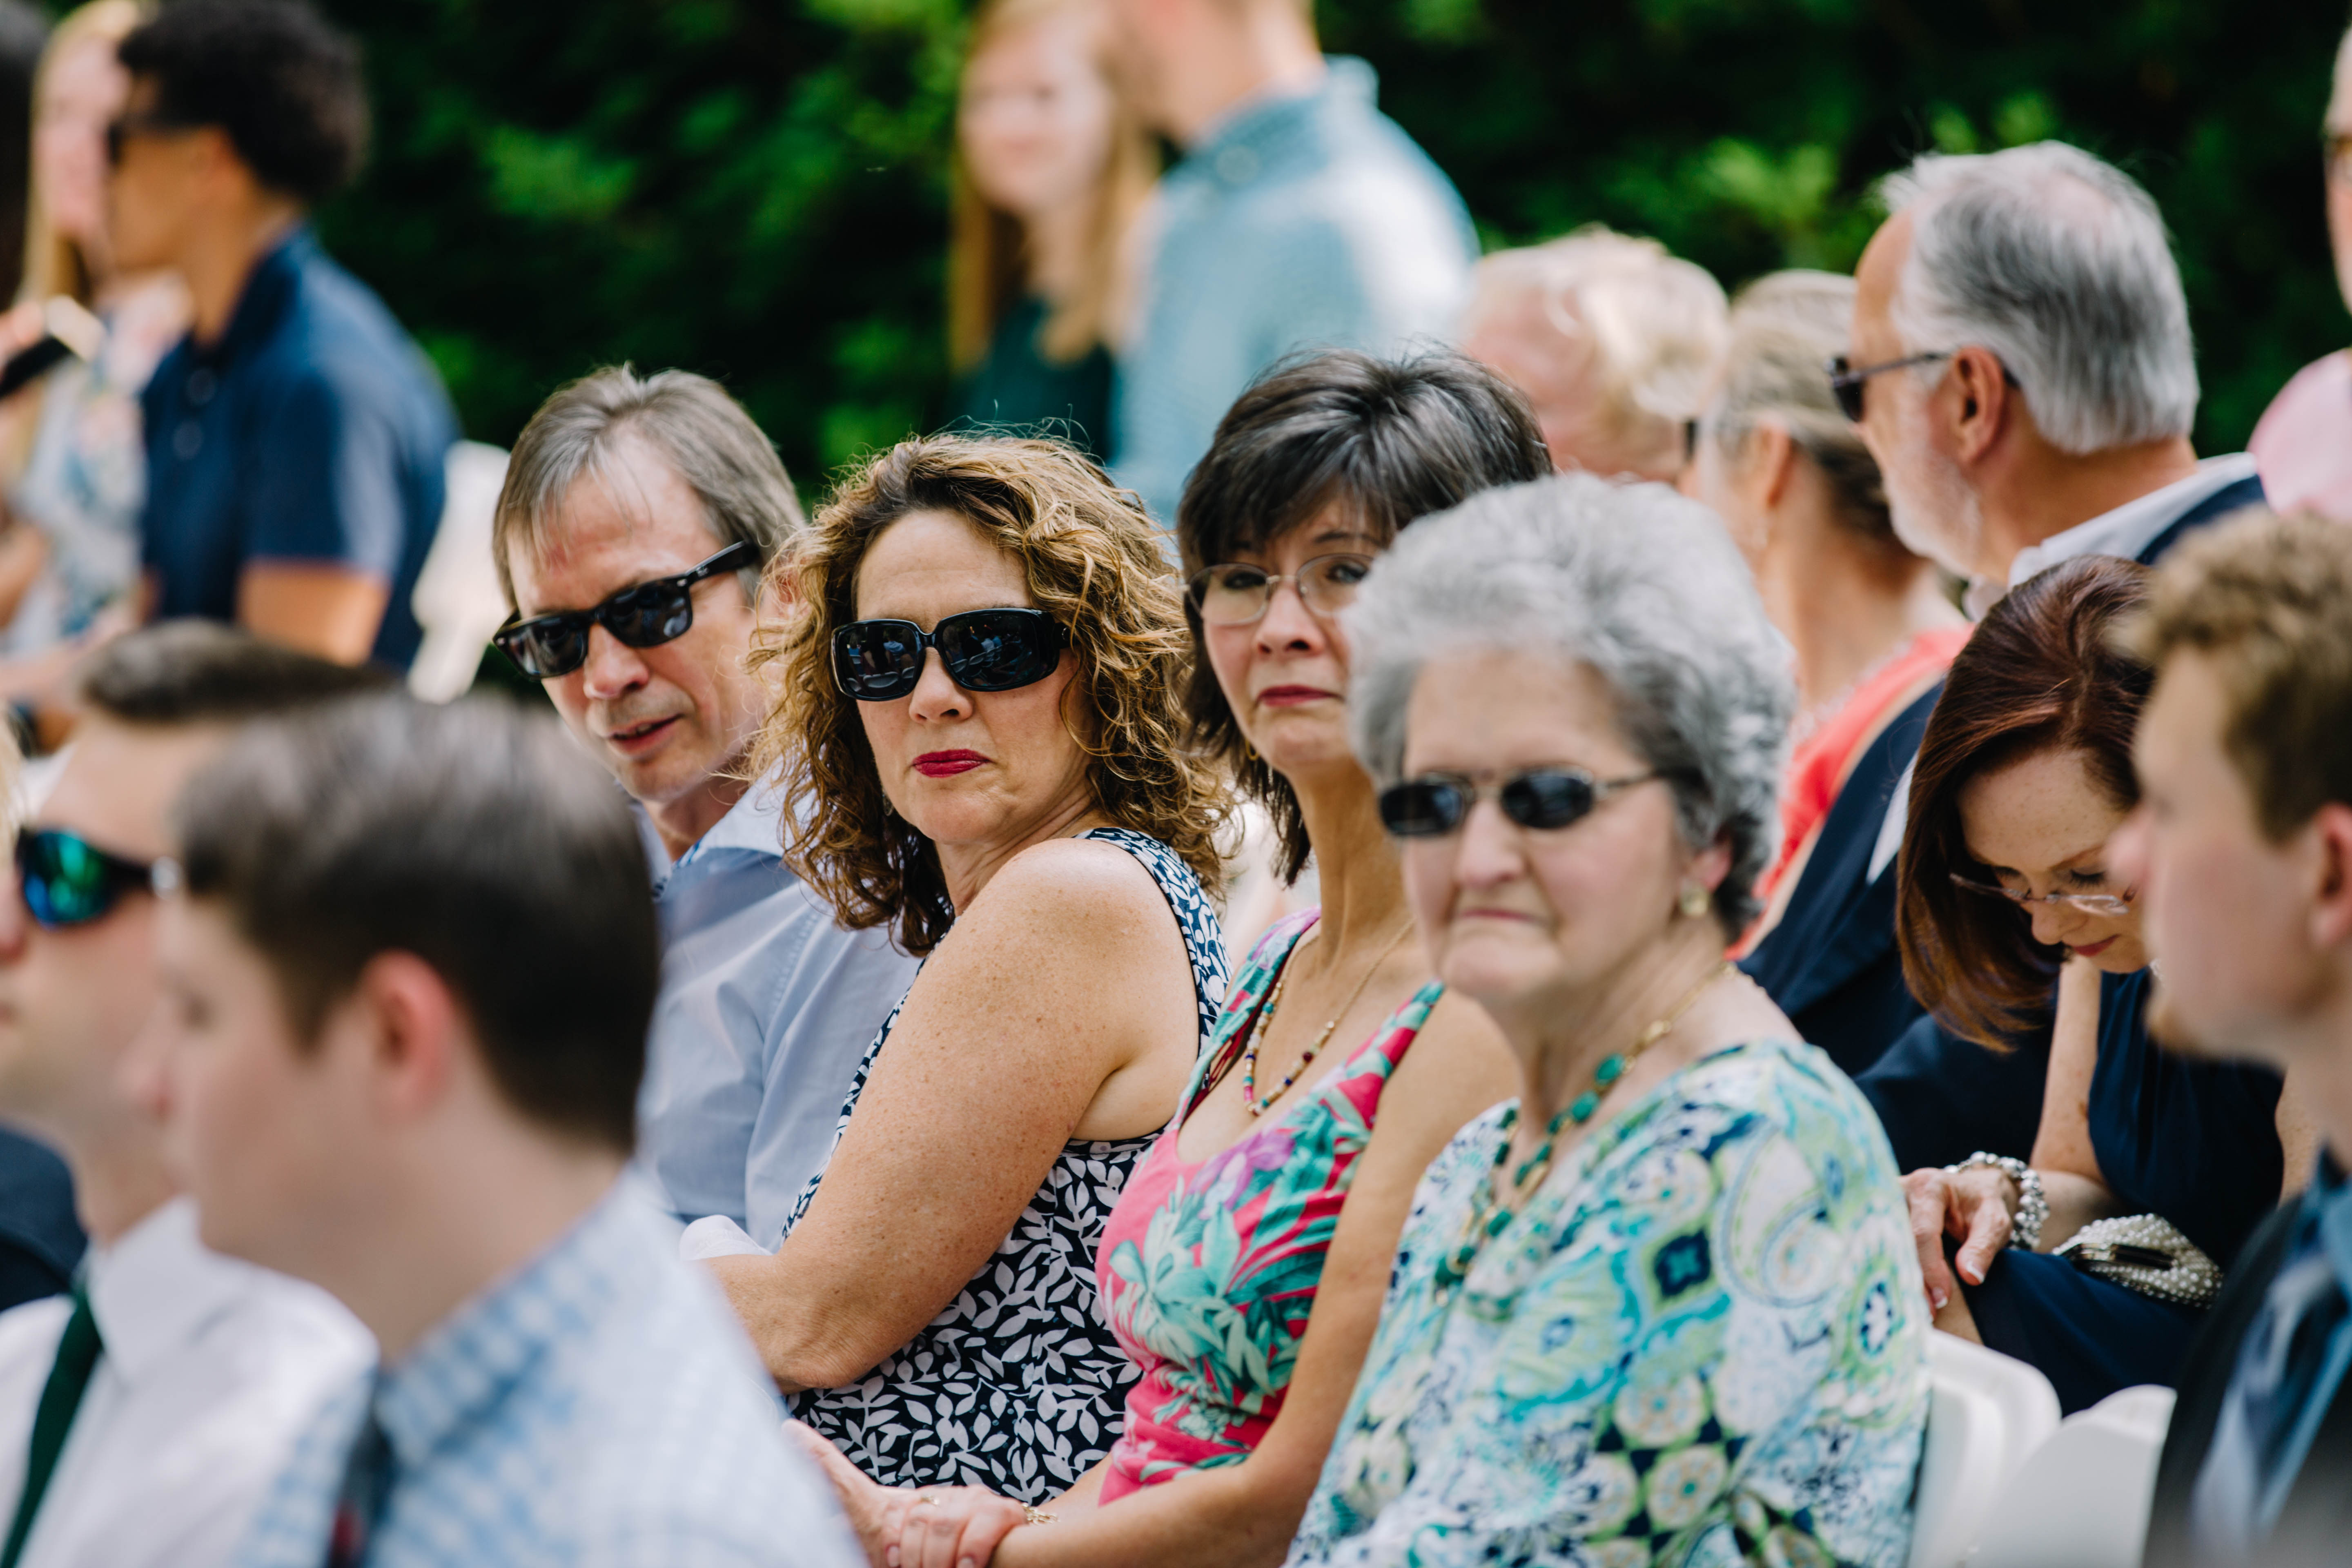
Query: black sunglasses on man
[646, 615]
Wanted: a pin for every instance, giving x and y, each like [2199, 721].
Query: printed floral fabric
[1209, 1269]
[1017, 1385]
[1702, 1342]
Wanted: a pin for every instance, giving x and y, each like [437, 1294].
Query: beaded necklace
[1489, 1214]
[1264, 1013]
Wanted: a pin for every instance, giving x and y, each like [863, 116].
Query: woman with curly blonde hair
[978, 725]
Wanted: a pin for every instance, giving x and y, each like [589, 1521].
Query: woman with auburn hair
[2156, 1166]
[979, 732]
[1051, 171]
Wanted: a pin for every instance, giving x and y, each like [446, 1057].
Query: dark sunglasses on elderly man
[647, 615]
[66, 881]
[984, 650]
[1546, 799]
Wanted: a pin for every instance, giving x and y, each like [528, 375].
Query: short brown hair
[475, 835]
[1092, 560]
[2268, 599]
[2042, 673]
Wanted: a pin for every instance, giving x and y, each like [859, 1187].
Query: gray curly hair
[1635, 582]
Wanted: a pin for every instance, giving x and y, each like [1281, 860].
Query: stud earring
[1695, 901]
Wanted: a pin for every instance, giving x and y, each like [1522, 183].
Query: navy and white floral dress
[1019, 1385]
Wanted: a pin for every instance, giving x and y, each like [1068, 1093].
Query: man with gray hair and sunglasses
[2022, 370]
[639, 517]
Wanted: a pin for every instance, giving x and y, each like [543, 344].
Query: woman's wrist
[2032, 1208]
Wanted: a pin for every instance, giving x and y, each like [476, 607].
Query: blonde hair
[1783, 327]
[1093, 560]
[1657, 325]
[54, 263]
[987, 251]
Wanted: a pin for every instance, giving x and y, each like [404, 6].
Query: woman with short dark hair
[2006, 902]
[1242, 1268]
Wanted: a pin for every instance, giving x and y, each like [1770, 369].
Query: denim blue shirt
[1298, 223]
[598, 1408]
[766, 1008]
[313, 433]
[2236, 1500]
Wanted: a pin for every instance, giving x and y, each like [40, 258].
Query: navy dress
[2193, 1141]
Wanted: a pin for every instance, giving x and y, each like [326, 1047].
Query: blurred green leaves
[757, 188]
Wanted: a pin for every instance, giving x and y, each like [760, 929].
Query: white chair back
[2081, 1500]
[1988, 1413]
[458, 599]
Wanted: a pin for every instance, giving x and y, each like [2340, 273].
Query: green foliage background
[757, 188]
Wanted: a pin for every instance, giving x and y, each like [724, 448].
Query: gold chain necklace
[1490, 1215]
[1274, 999]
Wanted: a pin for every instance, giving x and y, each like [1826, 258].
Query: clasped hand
[914, 1527]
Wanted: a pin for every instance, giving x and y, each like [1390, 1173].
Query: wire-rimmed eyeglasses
[2111, 905]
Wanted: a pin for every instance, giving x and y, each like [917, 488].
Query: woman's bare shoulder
[1066, 902]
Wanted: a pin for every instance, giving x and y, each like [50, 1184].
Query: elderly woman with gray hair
[1665, 1305]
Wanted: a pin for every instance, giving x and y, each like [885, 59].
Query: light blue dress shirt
[1298, 223]
[766, 1009]
[598, 1408]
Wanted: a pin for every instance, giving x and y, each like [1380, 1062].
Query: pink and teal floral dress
[1207, 1269]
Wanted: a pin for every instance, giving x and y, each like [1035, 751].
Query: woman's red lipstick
[947, 764]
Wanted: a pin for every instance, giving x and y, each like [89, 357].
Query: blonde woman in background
[1776, 459]
[72, 458]
[1050, 172]
[1614, 340]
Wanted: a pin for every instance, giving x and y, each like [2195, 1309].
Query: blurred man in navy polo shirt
[294, 438]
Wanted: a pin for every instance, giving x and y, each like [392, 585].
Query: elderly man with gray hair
[638, 518]
[2022, 370]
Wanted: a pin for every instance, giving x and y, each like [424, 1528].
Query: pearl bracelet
[2032, 1206]
[1031, 1515]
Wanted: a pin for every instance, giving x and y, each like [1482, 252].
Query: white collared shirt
[210, 1370]
[2127, 530]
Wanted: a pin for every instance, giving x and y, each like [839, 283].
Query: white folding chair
[458, 599]
[1988, 1412]
[2081, 1500]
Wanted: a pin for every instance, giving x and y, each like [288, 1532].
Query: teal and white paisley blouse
[1704, 1341]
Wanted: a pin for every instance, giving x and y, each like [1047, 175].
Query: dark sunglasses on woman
[1434, 804]
[66, 881]
[984, 650]
[646, 615]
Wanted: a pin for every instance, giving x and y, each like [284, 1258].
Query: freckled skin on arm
[1060, 1007]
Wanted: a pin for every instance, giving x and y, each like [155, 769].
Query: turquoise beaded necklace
[1489, 1216]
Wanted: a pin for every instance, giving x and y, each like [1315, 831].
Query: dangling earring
[1247, 749]
[1695, 901]
[888, 810]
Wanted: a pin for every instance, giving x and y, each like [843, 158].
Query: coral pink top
[1818, 764]
[1208, 1269]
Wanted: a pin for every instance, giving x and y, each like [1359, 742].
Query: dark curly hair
[281, 83]
[1093, 560]
[2043, 672]
[1393, 440]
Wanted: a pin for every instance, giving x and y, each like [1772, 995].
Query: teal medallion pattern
[1702, 1342]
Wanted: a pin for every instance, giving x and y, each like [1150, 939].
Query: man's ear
[1982, 401]
[411, 1028]
[2331, 912]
